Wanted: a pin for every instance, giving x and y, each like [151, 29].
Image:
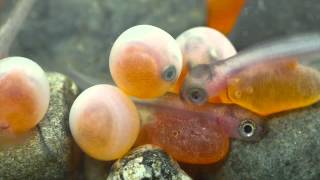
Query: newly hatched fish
[104, 122]
[265, 79]
[195, 134]
[277, 88]
[145, 57]
[201, 45]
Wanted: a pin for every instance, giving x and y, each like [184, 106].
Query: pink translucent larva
[24, 95]
[195, 134]
[145, 57]
[104, 122]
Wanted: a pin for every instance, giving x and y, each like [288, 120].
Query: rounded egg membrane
[104, 122]
[145, 61]
[24, 95]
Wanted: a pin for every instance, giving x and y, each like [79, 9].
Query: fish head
[242, 124]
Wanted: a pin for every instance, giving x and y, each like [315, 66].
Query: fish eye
[170, 73]
[247, 129]
[197, 95]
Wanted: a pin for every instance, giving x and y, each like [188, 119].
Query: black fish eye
[247, 129]
[197, 95]
[170, 73]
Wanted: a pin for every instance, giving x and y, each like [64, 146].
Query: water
[74, 37]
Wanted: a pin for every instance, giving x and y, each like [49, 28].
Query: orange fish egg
[223, 14]
[24, 95]
[145, 61]
[274, 88]
[201, 45]
[104, 122]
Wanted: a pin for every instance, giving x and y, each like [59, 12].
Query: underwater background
[74, 37]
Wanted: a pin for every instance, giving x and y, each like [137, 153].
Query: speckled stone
[147, 162]
[48, 152]
[289, 151]
[82, 32]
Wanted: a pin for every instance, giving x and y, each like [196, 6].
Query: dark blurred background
[75, 36]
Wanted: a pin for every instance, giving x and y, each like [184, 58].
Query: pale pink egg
[24, 95]
[104, 122]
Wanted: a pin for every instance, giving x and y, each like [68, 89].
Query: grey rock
[262, 20]
[75, 36]
[48, 152]
[147, 162]
[290, 150]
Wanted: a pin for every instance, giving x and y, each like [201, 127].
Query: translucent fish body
[201, 45]
[191, 134]
[275, 88]
[272, 77]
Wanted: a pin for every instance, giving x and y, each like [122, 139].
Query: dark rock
[48, 152]
[75, 36]
[262, 20]
[290, 150]
[146, 162]
[96, 169]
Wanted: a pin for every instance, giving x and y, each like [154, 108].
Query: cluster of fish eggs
[149, 67]
[179, 94]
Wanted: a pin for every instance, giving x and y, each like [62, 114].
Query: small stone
[48, 152]
[147, 162]
[290, 150]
